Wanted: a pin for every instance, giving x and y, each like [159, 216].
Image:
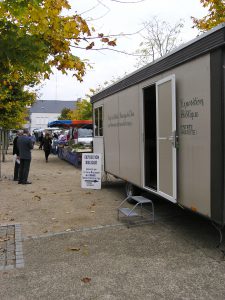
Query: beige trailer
[162, 127]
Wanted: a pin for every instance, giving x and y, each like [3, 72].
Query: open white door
[166, 138]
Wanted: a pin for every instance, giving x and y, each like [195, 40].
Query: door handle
[174, 139]
[162, 138]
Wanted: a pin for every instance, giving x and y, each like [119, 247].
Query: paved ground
[175, 258]
[11, 252]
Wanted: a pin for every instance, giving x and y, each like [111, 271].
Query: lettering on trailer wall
[121, 119]
[190, 110]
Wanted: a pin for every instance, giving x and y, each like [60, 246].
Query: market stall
[75, 139]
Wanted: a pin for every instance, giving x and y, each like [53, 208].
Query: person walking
[47, 145]
[17, 157]
[41, 140]
[24, 145]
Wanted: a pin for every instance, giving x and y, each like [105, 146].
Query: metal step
[128, 212]
[141, 199]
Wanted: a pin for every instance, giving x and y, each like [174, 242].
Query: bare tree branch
[125, 2]
[159, 39]
[110, 49]
[90, 9]
[113, 35]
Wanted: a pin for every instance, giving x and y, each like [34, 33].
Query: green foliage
[83, 111]
[65, 114]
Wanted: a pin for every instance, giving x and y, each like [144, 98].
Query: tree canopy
[83, 110]
[65, 114]
[215, 16]
[35, 36]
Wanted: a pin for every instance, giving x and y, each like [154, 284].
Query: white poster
[91, 171]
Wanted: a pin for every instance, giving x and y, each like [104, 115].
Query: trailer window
[98, 121]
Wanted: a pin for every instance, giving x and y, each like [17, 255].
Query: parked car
[85, 136]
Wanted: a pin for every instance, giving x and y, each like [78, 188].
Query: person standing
[24, 145]
[47, 144]
[17, 157]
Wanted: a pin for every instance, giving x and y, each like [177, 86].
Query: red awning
[81, 122]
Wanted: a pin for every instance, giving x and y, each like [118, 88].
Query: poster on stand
[91, 171]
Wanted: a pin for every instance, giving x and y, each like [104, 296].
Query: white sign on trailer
[91, 171]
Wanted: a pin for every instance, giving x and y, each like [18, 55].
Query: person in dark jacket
[41, 140]
[47, 145]
[17, 157]
[24, 145]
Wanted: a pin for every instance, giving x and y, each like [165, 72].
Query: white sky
[121, 18]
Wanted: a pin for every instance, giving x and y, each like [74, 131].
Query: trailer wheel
[131, 190]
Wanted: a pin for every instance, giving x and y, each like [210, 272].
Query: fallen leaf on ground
[36, 197]
[45, 231]
[4, 239]
[73, 249]
[88, 193]
[86, 279]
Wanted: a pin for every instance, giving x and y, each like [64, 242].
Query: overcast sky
[114, 18]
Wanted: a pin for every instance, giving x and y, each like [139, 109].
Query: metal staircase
[142, 211]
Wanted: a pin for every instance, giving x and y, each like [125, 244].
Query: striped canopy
[69, 123]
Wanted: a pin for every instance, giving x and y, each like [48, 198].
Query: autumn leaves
[37, 36]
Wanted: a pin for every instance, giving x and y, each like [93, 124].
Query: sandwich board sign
[91, 171]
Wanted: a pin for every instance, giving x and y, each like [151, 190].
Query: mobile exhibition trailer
[162, 127]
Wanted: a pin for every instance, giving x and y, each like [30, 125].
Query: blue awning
[60, 123]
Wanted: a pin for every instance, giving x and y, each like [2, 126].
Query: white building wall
[40, 120]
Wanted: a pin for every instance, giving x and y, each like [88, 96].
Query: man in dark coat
[16, 152]
[25, 145]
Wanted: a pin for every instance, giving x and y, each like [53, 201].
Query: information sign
[91, 171]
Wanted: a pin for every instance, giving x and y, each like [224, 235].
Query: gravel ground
[55, 201]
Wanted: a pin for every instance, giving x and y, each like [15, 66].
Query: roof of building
[203, 44]
[51, 106]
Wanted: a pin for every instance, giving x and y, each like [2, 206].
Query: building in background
[44, 111]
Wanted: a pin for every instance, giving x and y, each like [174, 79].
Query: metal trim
[217, 136]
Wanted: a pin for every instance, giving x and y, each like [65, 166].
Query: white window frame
[98, 122]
